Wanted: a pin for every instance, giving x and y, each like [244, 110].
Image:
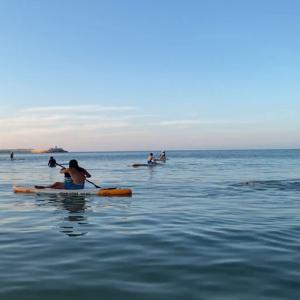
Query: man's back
[78, 177]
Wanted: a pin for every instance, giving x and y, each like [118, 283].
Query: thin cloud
[182, 122]
[37, 121]
[191, 122]
[68, 128]
[78, 109]
[34, 121]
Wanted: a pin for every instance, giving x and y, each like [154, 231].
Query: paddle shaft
[95, 185]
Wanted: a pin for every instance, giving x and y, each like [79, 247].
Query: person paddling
[162, 156]
[78, 175]
[52, 162]
[76, 180]
[150, 159]
[11, 156]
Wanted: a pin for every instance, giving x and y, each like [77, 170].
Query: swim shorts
[70, 185]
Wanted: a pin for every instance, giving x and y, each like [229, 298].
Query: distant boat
[50, 150]
[57, 150]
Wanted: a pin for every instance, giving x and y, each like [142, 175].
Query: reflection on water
[72, 224]
[72, 211]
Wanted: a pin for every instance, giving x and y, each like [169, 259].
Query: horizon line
[170, 150]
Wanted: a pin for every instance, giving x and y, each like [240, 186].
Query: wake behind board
[108, 192]
[141, 165]
[146, 165]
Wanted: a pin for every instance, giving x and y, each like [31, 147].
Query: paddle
[95, 185]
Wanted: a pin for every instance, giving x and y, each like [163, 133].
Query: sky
[149, 74]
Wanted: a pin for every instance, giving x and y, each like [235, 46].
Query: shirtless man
[162, 156]
[76, 182]
[78, 175]
[150, 159]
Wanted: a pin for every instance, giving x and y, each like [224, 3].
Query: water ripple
[207, 225]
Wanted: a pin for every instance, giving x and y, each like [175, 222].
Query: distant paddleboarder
[162, 156]
[52, 162]
[11, 156]
[150, 159]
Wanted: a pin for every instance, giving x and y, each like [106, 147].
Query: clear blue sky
[155, 74]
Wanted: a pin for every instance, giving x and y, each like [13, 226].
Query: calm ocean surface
[206, 225]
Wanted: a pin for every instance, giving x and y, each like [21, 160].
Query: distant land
[15, 150]
[34, 151]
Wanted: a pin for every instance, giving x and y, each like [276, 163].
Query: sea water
[204, 225]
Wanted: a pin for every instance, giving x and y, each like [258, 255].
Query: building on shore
[50, 150]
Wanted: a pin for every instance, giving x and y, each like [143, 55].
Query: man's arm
[63, 171]
[87, 174]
